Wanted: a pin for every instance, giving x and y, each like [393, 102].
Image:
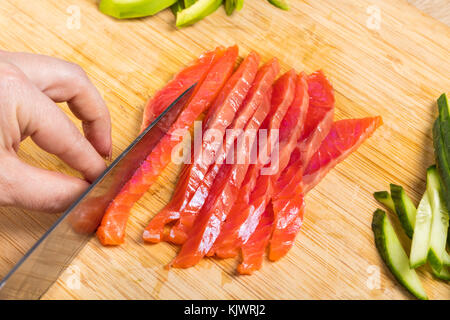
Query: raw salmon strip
[344, 137]
[253, 250]
[283, 94]
[261, 88]
[112, 228]
[216, 177]
[209, 220]
[249, 206]
[179, 84]
[219, 117]
[318, 123]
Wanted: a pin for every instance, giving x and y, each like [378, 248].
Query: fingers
[53, 131]
[64, 81]
[48, 126]
[42, 190]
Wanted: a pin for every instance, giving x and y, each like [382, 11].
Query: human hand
[29, 87]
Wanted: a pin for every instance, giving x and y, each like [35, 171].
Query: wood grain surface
[439, 9]
[383, 57]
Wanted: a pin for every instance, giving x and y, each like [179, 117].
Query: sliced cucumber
[239, 5]
[441, 156]
[439, 221]
[444, 274]
[282, 4]
[442, 149]
[199, 10]
[385, 198]
[124, 9]
[177, 7]
[421, 238]
[446, 259]
[394, 255]
[230, 6]
[405, 209]
[188, 3]
[444, 119]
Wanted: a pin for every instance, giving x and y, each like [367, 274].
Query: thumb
[37, 189]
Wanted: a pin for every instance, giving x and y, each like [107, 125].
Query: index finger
[63, 81]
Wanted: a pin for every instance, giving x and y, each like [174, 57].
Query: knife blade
[41, 266]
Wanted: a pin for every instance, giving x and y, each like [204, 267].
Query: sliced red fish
[211, 219]
[317, 125]
[112, 228]
[288, 209]
[344, 137]
[253, 250]
[220, 116]
[218, 203]
[217, 176]
[260, 89]
[283, 94]
[179, 84]
[256, 190]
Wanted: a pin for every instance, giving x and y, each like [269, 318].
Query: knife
[42, 265]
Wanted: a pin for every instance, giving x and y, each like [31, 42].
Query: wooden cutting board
[383, 57]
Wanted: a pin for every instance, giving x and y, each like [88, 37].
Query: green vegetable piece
[385, 198]
[177, 7]
[405, 209]
[282, 4]
[441, 155]
[239, 4]
[444, 119]
[446, 259]
[393, 254]
[444, 274]
[444, 122]
[188, 3]
[199, 10]
[439, 221]
[443, 165]
[421, 238]
[124, 9]
[230, 6]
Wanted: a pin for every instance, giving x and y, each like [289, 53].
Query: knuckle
[10, 75]
[77, 73]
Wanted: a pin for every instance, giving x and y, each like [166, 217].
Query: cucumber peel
[439, 221]
[385, 198]
[446, 259]
[124, 9]
[393, 254]
[444, 119]
[239, 5]
[442, 148]
[441, 156]
[421, 237]
[177, 7]
[404, 208]
[444, 274]
[197, 12]
[230, 6]
[282, 4]
[188, 3]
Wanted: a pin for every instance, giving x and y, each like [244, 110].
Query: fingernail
[109, 156]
